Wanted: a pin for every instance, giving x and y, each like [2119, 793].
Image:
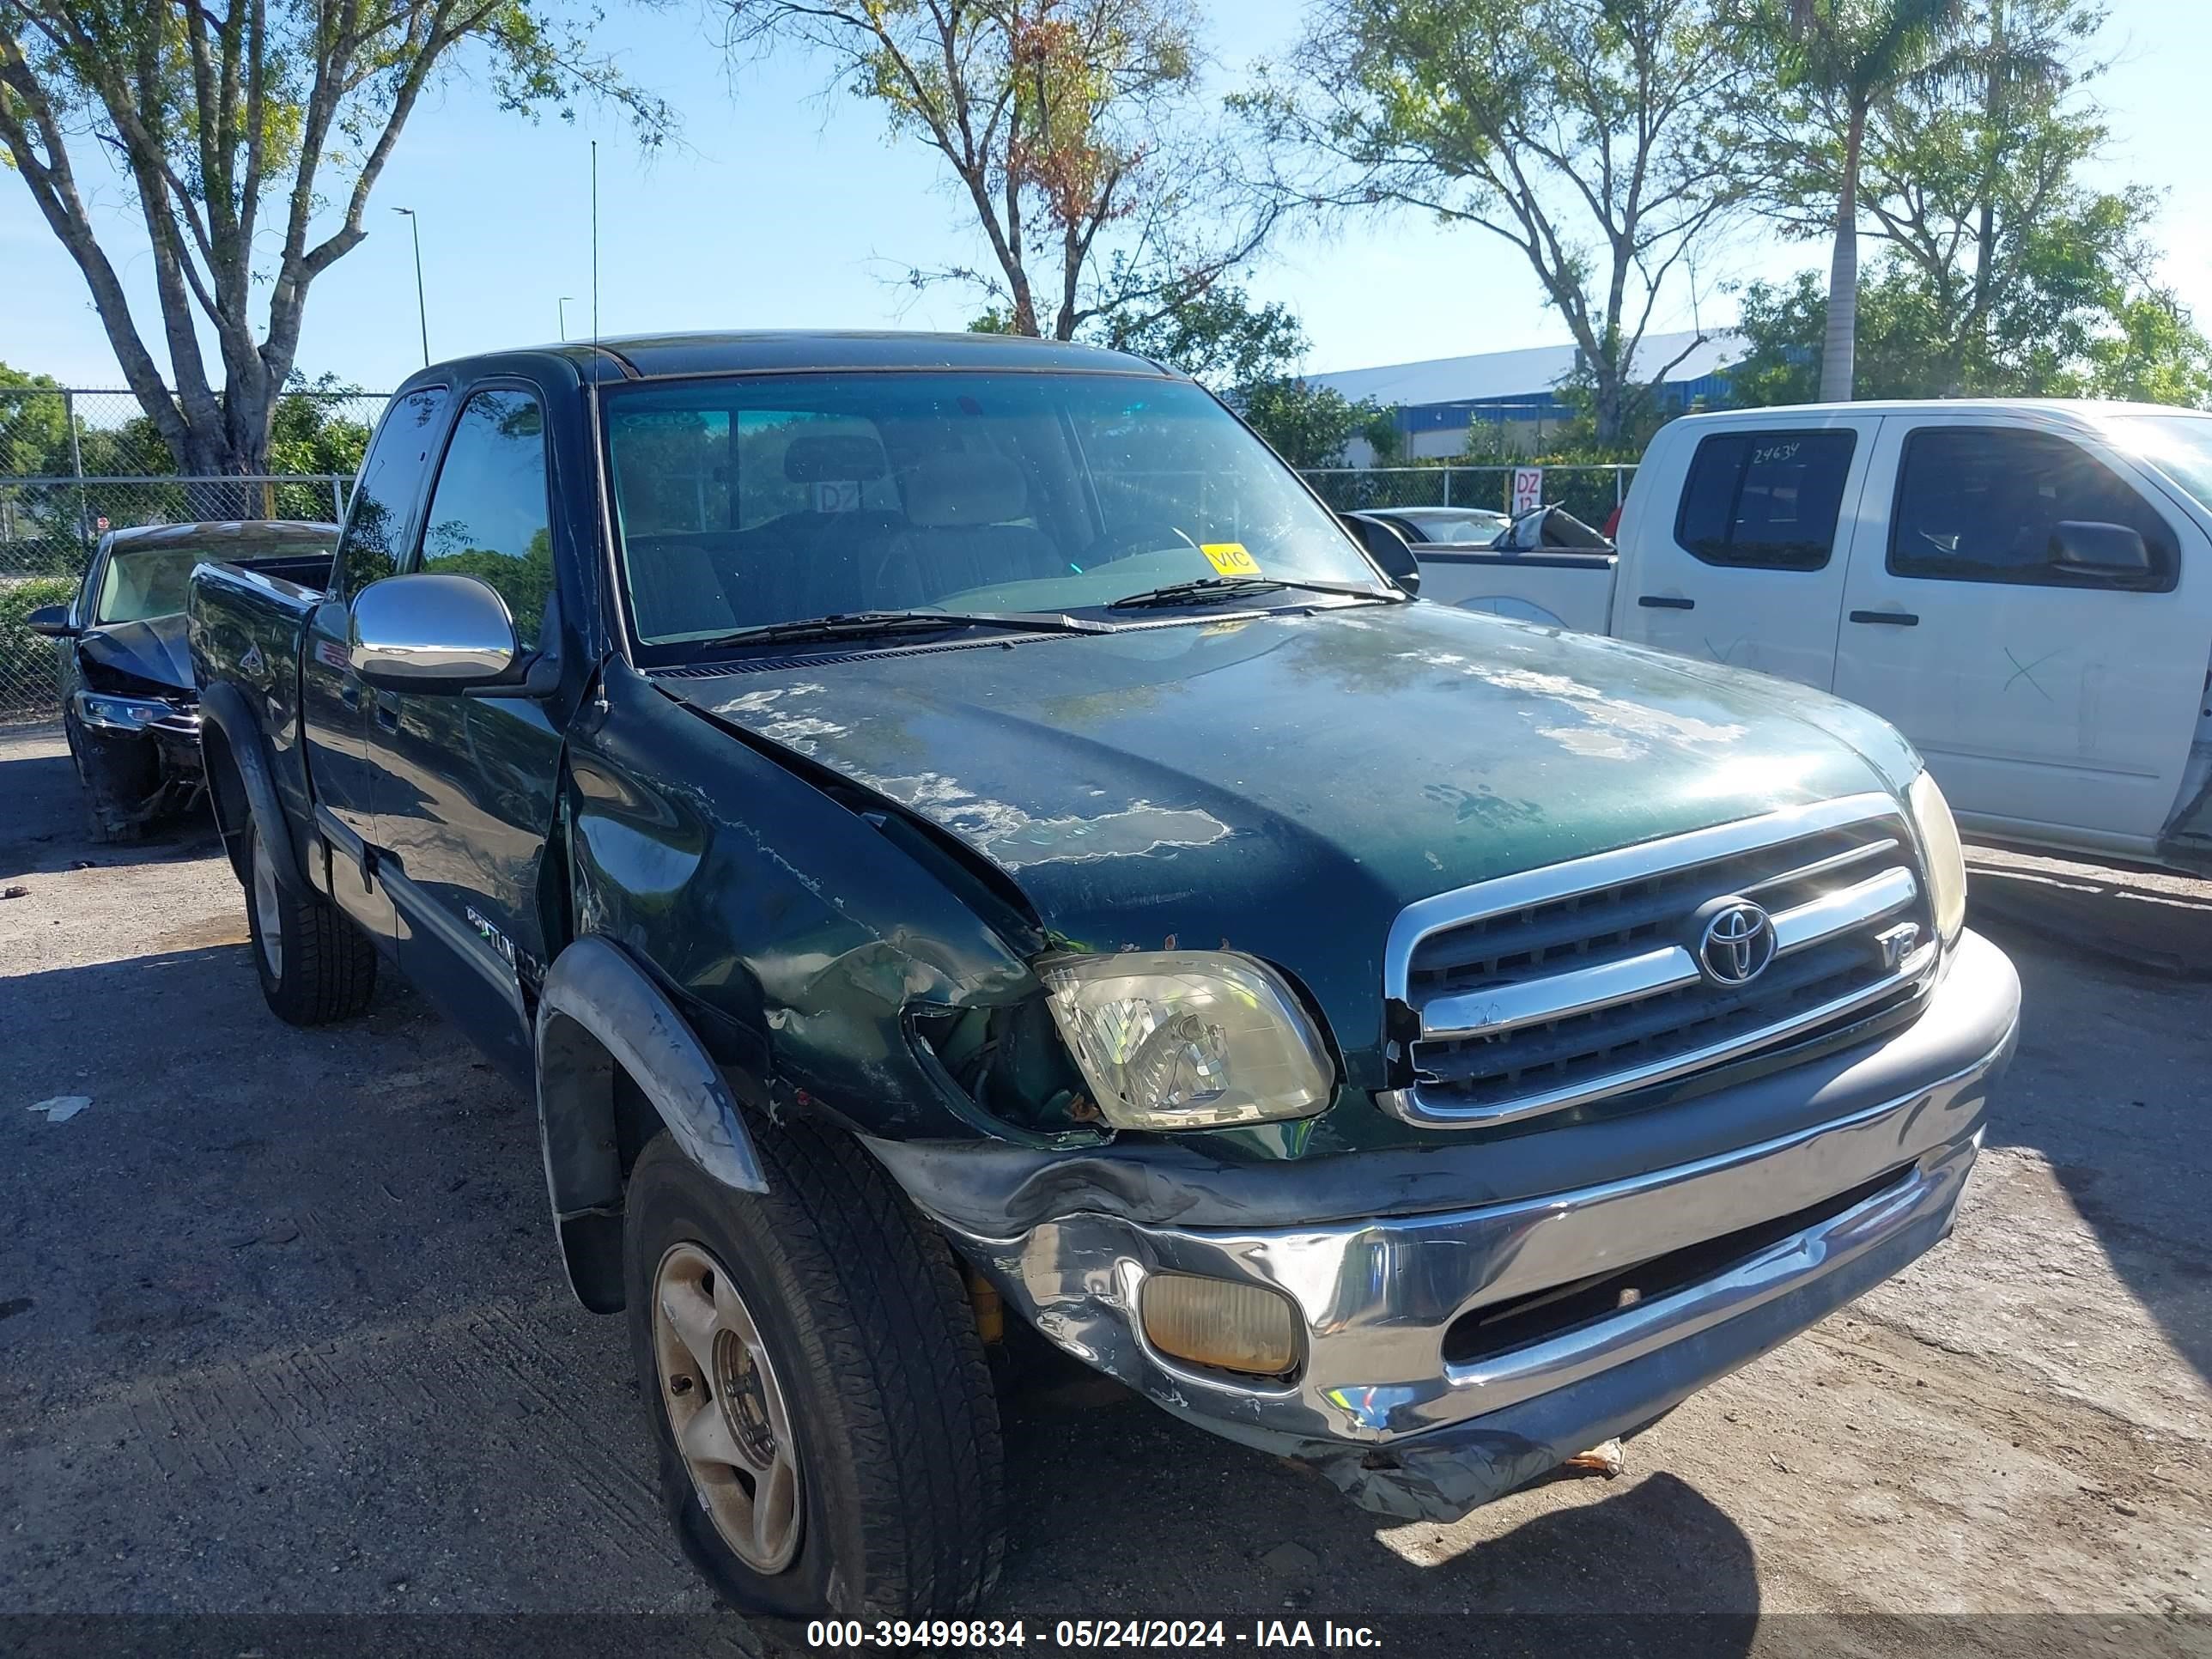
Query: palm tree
[1851, 54]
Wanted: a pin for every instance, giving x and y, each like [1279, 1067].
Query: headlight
[1939, 847]
[1186, 1039]
[120, 714]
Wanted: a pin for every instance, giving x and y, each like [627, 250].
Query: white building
[1438, 401]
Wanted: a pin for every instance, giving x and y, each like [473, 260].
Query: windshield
[770, 499]
[2179, 446]
[142, 584]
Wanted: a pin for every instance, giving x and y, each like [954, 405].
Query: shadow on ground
[2111, 1084]
[43, 826]
[2140, 921]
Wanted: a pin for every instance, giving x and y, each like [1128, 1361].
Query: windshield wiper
[1210, 590]
[860, 624]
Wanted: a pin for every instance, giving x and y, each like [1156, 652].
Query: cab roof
[652, 356]
[2076, 412]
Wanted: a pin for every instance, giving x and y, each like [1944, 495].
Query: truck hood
[1284, 785]
[153, 651]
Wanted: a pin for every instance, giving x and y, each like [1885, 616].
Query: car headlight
[1186, 1039]
[112, 713]
[1940, 851]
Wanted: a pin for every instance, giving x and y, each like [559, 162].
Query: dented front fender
[793, 935]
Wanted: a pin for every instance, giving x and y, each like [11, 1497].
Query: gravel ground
[282, 1330]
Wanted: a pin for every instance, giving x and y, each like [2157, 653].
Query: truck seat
[965, 528]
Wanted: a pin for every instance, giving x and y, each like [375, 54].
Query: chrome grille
[1546, 990]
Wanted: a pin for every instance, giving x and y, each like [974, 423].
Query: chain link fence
[75, 465]
[1590, 493]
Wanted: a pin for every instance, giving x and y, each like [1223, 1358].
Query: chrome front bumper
[1410, 1433]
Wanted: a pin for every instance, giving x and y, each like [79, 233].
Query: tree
[1307, 425]
[1841, 57]
[310, 432]
[2141, 344]
[1593, 138]
[1072, 128]
[1216, 337]
[240, 129]
[34, 424]
[2002, 273]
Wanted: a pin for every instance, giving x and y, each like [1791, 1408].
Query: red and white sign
[101, 523]
[1527, 489]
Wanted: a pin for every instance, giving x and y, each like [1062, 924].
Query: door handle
[1887, 618]
[388, 711]
[1665, 602]
[349, 692]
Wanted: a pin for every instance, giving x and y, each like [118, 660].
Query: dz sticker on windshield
[1229, 558]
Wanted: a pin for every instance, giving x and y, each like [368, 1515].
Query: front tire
[828, 1435]
[315, 966]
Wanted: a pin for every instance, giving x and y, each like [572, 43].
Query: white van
[2023, 586]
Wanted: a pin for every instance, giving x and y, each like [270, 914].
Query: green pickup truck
[947, 826]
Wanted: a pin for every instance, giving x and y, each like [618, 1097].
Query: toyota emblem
[1736, 941]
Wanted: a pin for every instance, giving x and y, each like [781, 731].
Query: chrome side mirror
[432, 632]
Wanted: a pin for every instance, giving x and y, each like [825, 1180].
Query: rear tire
[862, 1343]
[315, 966]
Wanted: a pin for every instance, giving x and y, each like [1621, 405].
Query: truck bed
[246, 623]
[1556, 586]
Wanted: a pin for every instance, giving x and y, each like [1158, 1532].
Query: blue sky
[785, 207]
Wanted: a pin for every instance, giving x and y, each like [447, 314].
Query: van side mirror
[52, 620]
[432, 632]
[2099, 550]
[1388, 549]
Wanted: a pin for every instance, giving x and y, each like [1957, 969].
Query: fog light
[1220, 1322]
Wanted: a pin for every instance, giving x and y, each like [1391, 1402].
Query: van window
[1768, 500]
[376, 521]
[1979, 504]
[488, 516]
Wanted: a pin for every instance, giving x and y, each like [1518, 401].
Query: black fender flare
[599, 1009]
[224, 707]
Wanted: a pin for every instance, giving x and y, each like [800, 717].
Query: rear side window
[1768, 500]
[488, 516]
[376, 522]
[1980, 504]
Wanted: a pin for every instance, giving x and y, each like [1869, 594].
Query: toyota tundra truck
[947, 827]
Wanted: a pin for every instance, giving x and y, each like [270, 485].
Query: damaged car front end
[130, 707]
[1431, 1183]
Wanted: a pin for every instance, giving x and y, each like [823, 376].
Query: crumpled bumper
[1407, 1395]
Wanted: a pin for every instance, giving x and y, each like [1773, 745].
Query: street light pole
[422, 309]
[563, 302]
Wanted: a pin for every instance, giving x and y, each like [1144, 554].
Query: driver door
[465, 786]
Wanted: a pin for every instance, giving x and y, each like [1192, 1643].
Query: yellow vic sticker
[1229, 558]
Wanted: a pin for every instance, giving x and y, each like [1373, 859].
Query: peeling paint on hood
[1290, 784]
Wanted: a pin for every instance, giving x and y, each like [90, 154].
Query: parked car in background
[2023, 586]
[947, 826]
[130, 709]
[1472, 525]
